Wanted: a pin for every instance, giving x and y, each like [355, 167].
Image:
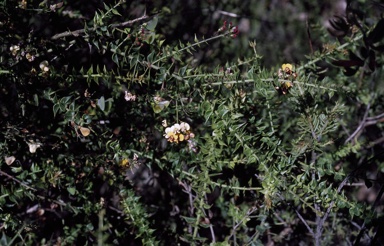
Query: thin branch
[305, 223]
[81, 31]
[363, 228]
[223, 185]
[309, 36]
[249, 212]
[375, 142]
[210, 224]
[361, 125]
[341, 47]
[377, 117]
[300, 217]
[320, 224]
[188, 190]
[17, 181]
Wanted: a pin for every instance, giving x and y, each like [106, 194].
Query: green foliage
[113, 134]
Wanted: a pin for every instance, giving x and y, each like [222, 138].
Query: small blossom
[229, 71]
[286, 74]
[185, 126]
[44, 66]
[30, 57]
[287, 67]
[223, 27]
[86, 93]
[129, 96]
[53, 7]
[192, 146]
[124, 163]
[178, 132]
[23, 4]
[234, 32]
[14, 49]
[176, 127]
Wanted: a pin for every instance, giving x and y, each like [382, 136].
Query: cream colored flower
[184, 126]
[44, 66]
[178, 132]
[14, 49]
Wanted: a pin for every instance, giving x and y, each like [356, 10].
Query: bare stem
[361, 125]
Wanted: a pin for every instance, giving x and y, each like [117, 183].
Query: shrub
[113, 134]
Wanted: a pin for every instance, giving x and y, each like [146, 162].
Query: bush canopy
[191, 122]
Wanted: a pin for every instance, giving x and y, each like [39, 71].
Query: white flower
[184, 126]
[129, 96]
[176, 127]
[44, 66]
[168, 132]
[14, 49]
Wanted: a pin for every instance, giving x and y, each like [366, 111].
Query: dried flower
[9, 160]
[33, 146]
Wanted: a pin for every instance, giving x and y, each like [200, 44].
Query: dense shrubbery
[117, 129]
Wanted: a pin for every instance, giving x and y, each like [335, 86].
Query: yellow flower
[124, 163]
[287, 84]
[287, 67]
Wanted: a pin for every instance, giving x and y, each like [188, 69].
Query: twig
[309, 36]
[17, 181]
[210, 224]
[304, 222]
[321, 221]
[341, 47]
[300, 217]
[188, 190]
[249, 212]
[223, 185]
[377, 117]
[361, 126]
[61, 203]
[363, 227]
[81, 31]
[375, 142]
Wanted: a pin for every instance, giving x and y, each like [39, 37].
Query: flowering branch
[81, 31]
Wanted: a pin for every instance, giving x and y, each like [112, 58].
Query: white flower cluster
[178, 132]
